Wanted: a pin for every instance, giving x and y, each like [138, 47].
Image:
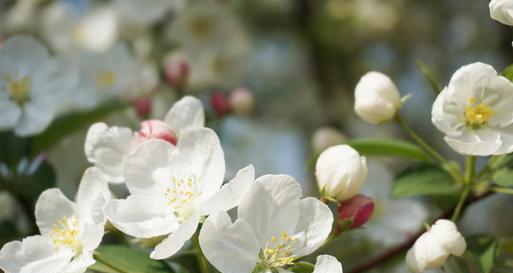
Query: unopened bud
[242, 101]
[357, 211]
[219, 103]
[142, 107]
[151, 129]
[176, 70]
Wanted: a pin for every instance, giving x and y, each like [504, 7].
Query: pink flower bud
[242, 101]
[176, 70]
[157, 129]
[358, 210]
[219, 104]
[143, 107]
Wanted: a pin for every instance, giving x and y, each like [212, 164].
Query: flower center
[19, 89]
[278, 251]
[180, 196]
[65, 234]
[477, 115]
[106, 79]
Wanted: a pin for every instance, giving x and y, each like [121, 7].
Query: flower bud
[157, 129]
[357, 210]
[377, 99]
[340, 172]
[242, 101]
[432, 248]
[502, 11]
[176, 70]
[142, 107]
[219, 104]
[325, 137]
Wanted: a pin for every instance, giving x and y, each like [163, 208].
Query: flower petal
[186, 114]
[51, 207]
[93, 193]
[231, 193]
[141, 216]
[314, 226]
[11, 113]
[79, 264]
[221, 241]
[271, 206]
[327, 264]
[175, 241]
[36, 117]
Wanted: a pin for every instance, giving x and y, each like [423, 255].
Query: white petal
[186, 114]
[469, 144]
[35, 117]
[25, 51]
[141, 216]
[203, 148]
[92, 236]
[327, 264]
[314, 226]
[271, 206]
[175, 241]
[142, 170]
[35, 254]
[231, 193]
[448, 236]
[93, 193]
[426, 253]
[79, 264]
[51, 207]
[229, 247]
[11, 113]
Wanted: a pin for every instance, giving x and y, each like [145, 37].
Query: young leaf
[430, 77]
[508, 72]
[302, 267]
[482, 249]
[504, 177]
[388, 147]
[424, 179]
[122, 259]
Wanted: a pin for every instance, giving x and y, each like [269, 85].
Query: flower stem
[502, 190]
[100, 260]
[470, 169]
[202, 261]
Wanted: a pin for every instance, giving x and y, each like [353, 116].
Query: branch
[400, 248]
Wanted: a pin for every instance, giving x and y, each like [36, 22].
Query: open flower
[274, 228]
[107, 147]
[340, 172]
[474, 111]
[432, 248]
[69, 231]
[502, 11]
[30, 82]
[172, 186]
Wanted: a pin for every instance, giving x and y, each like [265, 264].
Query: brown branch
[400, 248]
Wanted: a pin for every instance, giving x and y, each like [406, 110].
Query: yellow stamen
[180, 195]
[477, 115]
[278, 252]
[106, 79]
[19, 89]
[65, 233]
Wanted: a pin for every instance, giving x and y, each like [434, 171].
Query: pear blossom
[30, 82]
[70, 231]
[377, 99]
[474, 111]
[171, 187]
[107, 147]
[340, 172]
[433, 247]
[274, 228]
[502, 11]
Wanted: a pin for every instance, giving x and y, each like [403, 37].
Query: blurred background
[276, 78]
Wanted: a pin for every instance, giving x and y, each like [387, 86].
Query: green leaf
[68, 124]
[430, 77]
[188, 261]
[482, 249]
[122, 259]
[504, 177]
[424, 179]
[508, 72]
[388, 147]
[302, 267]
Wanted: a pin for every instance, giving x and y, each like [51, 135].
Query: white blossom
[474, 111]
[502, 11]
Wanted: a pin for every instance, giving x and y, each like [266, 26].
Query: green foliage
[424, 179]
[508, 72]
[388, 147]
[123, 259]
[187, 261]
[302, 267]
[430, 77]
[482, 250]
[30, 185]
[504, 177]
[68, 124]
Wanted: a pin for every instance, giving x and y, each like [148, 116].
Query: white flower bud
[502, 11]
[340, 172]
[325, 137]
[432, 248]
[376, 98]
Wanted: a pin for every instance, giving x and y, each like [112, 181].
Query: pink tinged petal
[314, 226]
[231, 193]
[151, 129]
[52, 206]
[229, 247]
[175, 241]
[35, 254]
[327, 264]
[358, 210]
[271, 206]
[141, 216]
[186, 114]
